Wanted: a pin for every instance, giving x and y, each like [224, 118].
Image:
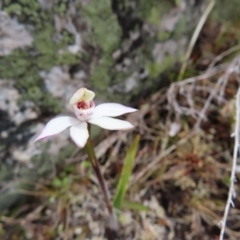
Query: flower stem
[95, 165]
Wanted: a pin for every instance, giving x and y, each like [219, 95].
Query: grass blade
[134, 206]
[126, 173]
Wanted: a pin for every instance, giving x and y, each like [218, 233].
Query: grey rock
[13, 35]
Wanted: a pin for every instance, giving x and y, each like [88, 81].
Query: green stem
[96, 167]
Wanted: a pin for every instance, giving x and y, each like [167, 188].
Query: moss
[155, 68]
[181, 28]
[154, 16]
[224, 11]
[163, 36]
[22, 7]
[106, 35]
[61, 9]
[24, 65]
[14, 8]
[152, 10]
[105, 29]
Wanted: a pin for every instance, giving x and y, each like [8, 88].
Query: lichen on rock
[13, 35]
[113, 46]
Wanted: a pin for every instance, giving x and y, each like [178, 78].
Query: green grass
[126, 173]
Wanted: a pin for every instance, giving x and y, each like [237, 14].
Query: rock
[120, 49]
[13, 35]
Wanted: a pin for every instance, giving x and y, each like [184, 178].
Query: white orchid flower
[84, 108]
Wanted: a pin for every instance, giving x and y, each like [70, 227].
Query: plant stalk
[96, 167]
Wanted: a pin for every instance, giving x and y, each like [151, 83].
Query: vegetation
[170, 176]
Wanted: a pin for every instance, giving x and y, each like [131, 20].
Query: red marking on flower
[92, 104]
[82, 105]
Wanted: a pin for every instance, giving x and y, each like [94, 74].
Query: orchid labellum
[84, 108]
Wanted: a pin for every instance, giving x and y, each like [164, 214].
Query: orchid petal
[56, 126]
[111, 123]
[111, 110]
[79, 134]
[82, 94]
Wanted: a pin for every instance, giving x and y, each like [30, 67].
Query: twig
[177, 86]
[195, 37]
[219, 89]
[207, 103]
[151, 166]
[188, 88]
[223, 55]
[231, 193]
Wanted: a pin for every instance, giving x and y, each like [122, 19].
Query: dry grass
[181, 172]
